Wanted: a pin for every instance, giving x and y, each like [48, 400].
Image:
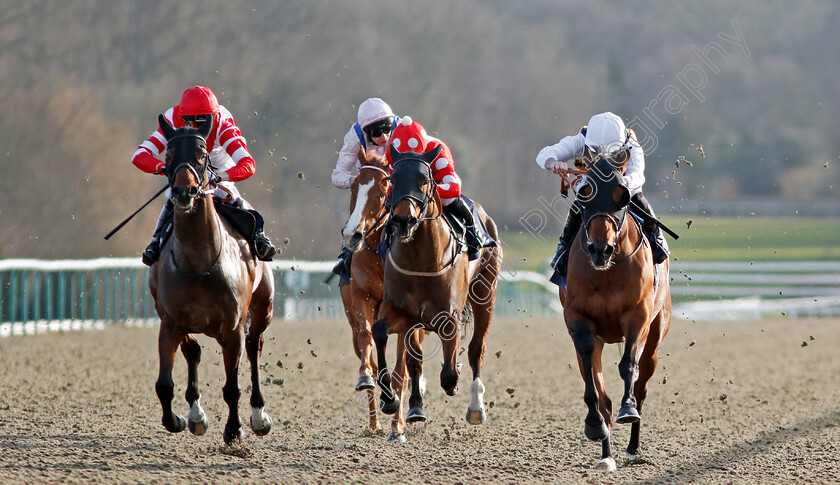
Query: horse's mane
[372, 159]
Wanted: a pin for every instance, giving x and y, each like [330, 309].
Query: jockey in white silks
[605, 133]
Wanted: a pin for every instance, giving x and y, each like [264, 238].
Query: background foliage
[83, 83]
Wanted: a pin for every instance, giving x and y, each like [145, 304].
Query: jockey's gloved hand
[213, 178]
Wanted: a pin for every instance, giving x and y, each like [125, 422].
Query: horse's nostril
[192, 191]
[356, 237]
[591, 248]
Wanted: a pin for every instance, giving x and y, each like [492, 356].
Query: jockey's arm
[145, 158]
[231, 139]
[342, 175]
[443, 171]
[634, 176]
[568, 148]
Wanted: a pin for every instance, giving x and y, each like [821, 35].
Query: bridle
[423, 203]
[618, 224]
[383, 211]
[199, 170]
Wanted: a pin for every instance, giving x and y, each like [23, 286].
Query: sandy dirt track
[734, 402]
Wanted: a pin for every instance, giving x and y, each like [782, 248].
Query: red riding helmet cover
[199, 100]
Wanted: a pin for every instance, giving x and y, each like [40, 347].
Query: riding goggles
[376, 129]
[195, 120]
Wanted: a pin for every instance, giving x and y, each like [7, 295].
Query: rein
[382, 212]
[444, 269]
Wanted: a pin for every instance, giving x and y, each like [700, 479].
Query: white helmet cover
[605, 131]
[373, 110]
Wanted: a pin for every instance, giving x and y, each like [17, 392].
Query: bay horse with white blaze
[207, 281]
[614, 294]
[428, 284]
[363, 295]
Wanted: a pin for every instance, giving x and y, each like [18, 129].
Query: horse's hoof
[476, 416]
[416, 415]
[180, 424]
[596, 433]
[451, 392]
[389, 407]
[628, 415]
[198, 428]
[365, 383]
[606, 464]
[396, 438]
[631, 457]
[231, 436]
[264, 429]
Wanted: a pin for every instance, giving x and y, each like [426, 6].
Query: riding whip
[136, 212]
[644, 215]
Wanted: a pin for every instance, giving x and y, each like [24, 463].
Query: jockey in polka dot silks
[410, 136]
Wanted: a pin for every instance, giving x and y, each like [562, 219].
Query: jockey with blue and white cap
[605, 133]
[372, 131]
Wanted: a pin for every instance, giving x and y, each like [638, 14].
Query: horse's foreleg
[414, 359]
[168, 341]
[628, 369]
[232, 346]
[449, 332]
[197, 419]
[389, 403]
[647, 365]
[399, 382]
[594, 427]
[364, 308]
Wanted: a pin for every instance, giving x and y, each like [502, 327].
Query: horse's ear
[620, 159]
[165, 127]
[621, 195]
[205, 127]
[362, 156]
[585, 193]
[430, 157]
[394, 153]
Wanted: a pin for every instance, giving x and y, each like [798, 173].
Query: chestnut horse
[427, 284]
[614, 294]
[362, 233]
[207, 281]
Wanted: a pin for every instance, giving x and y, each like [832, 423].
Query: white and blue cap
[605, 132]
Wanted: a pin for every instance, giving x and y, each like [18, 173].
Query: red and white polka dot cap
[410, 136]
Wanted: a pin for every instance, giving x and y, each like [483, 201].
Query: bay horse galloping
[207, 281]
[363, 295]
[614, 294]
[428, 284]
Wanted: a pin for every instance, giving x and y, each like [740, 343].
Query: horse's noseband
[617, 220]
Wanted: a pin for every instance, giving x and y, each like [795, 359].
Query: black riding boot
[262, 244]
[573, 222]
[152, 251]
[659, 247]
[475, 242]
[343, 264]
